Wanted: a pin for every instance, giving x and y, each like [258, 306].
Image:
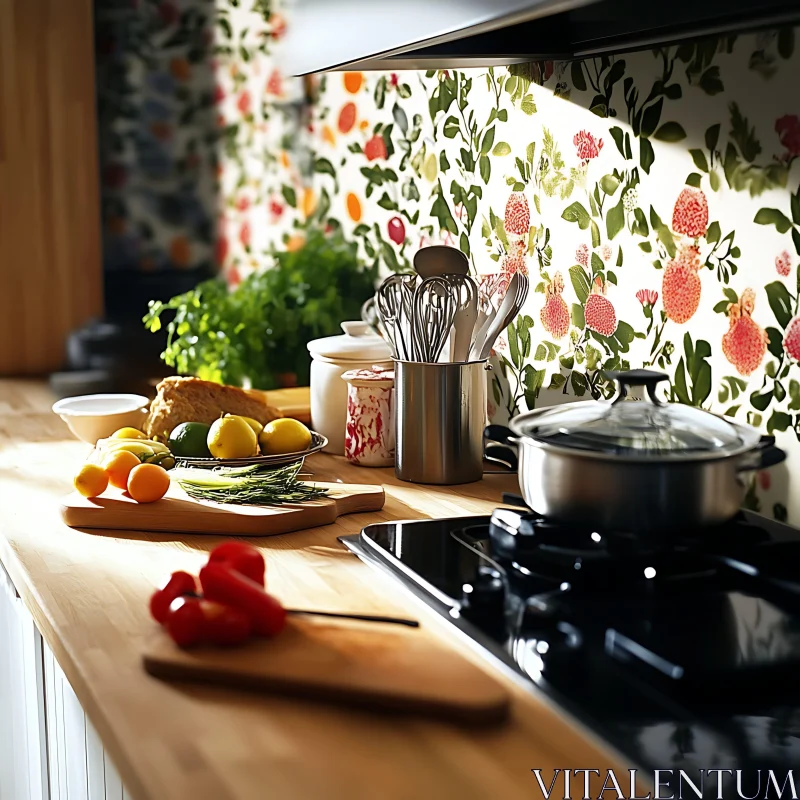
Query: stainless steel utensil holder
[440, 417]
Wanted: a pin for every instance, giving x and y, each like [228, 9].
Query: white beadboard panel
[23, 771]
[53, 724]
[80, 769]
[36, 731]
[7, 765]
[75, 745]
[95, 765]
[114, 790]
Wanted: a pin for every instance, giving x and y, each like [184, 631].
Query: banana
[112, 445]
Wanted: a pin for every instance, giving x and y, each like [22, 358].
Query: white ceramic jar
[358, 348]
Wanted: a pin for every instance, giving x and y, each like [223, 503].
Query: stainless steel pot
[646, 467]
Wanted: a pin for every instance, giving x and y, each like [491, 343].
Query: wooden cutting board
[374, 665]
[176, 512]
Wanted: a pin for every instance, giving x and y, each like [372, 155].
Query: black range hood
[429, 34]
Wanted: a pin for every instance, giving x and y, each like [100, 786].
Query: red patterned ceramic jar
[369, 433]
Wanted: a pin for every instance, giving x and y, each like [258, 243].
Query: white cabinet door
[23, 757]
[48, 748]
[79, 767]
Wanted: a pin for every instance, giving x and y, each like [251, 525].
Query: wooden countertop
[88, 593]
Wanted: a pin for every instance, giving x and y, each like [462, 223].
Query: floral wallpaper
[157, 133]
[652, 198]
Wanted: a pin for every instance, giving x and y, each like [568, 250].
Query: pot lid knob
[637, 377]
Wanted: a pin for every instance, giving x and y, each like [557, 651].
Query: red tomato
[185, 621]
[179, 583]
[242, 557]
[224, 625]
[225, 585]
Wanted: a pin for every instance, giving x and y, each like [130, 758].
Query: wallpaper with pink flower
[652, 198]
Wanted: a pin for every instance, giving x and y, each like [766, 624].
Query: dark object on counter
[409, 623]
[647, 467]
[684, 657]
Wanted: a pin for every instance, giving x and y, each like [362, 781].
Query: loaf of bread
[194, 400]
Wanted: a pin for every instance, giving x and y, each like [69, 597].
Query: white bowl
[96, 416]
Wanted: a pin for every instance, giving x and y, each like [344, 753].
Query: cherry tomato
[185, 621]
[224, 625]
[231, 588]
[179, 583]
[241, 557]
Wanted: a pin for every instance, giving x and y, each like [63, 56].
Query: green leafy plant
[259, 330]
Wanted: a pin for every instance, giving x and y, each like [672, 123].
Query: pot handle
[637, 377]
[765, 454]
[499, 446]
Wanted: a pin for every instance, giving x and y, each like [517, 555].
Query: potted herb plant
[256, 333]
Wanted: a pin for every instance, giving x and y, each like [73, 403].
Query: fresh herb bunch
[251, 485]
[260, 329]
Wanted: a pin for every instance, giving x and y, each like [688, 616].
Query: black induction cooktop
[683, 658]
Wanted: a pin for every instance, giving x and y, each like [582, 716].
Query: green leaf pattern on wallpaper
[652, 198]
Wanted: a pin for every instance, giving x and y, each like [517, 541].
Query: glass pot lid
[646, 428]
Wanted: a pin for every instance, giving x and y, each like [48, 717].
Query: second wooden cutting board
[375, 665]
[179, 513]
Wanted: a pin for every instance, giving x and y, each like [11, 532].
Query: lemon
[91, 480]
[128, 433]
[284, 436]
[232, 437]
[253, 423]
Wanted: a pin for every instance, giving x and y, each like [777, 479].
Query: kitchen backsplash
[157, 133]
[651, 197]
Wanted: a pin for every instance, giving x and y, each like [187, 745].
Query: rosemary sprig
[251, 485]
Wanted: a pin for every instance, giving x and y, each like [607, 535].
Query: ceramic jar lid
[377, 376]
[358, 343]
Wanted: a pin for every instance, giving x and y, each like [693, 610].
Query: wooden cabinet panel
[50, 249]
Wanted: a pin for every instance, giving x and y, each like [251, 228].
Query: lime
[232, 437]
[189, 440]
[284, 436]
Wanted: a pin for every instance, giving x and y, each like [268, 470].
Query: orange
[91, 480]
[363, 124]
[148, 483]
[353, 81]
[347, 117]
[118, 466]
[309, 202]
[353, 207]
[284, 158]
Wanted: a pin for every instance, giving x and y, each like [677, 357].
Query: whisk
[434, 309]
[391, 305]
